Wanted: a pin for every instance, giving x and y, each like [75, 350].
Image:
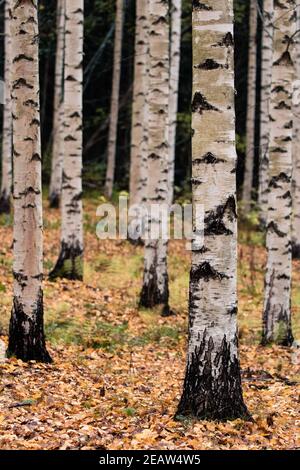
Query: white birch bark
[176, 10]
[114, 109]
[212, 387]
[139, 129]
[296, 147]
[266, 80]
[251, 101]
[155, 289]
[277, 304]
[26, 335]
[6, 174]
[58, 117]
[70, 261]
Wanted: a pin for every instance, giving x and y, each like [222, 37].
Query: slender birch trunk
[26, 332]
[176, 10]
[114, 109]
[70, 261]
[139, 131]
[155, 289]
[58, 117]
[277, 306]
[266, 80]
[6, 181]
[251, 101]
[296, 147]
[212, 387]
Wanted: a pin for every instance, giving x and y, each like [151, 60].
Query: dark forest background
[99, 35]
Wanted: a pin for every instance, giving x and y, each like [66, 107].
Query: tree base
[69, 264]
[215, 392]
[286, 340]
[54, 201]
[296, 251]
[151, 296]
[4, 204]
[26, 334]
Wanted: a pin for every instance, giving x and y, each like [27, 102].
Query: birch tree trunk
[266, 80]
[6, 181]
[58, 118]
[251, 101]
[70, 261]
[212, 386]
[277, 304]
[176, 10]
[296, 147]
[139, 130]
[155, 290]
[26, 333]
[114, 108]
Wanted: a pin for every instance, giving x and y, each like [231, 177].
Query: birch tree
[70, 261]
[176, 10]
[6, 181]
[26, 333]
[277, 303]
[58, 117]
[266, 79]
[296, 147]
[251, 100]
[212, 387]
[139, 130]
[155, 290]
[114, 108]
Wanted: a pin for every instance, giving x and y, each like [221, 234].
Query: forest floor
[117, 372]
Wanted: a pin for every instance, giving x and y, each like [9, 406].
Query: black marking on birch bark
[206, 272]
[200, 104]
[69, 264]
[197, 5]
[281, 178]
[285, 59]
[227, 40]
[151, 295]
[196, 181]
[288, 125]
[282, 105]
[208, 158]
[4, 203]
[21, 82]
[287, 139]
[160, 20]
[273, 227]
[214, 224]
[26, 334]
[278, 150]
[279, 89]
[212, 387]
[22, 57]
[36, 157]
[209, 64]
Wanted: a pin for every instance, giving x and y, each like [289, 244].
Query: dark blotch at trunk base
[54, 201]
[69, 264]
[4, 204]
[26, 335]
[296, 251]
[151, 296]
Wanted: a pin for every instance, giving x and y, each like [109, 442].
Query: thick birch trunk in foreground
[58, 117]
[139, 130]
[296, 147]
[70, 261]
[266, 80]
[212, 386]
[114, 108]
[250, 123]
[26, 332]
[277, 305]
[155, 289]
[176, 9]
[6, 182]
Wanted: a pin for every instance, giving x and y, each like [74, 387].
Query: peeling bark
[6, 174]
[212, 387]
[70, 260]
[277, 304]
[266, 80]
[114, 109]
[155, 289]
[251, 100]
[58, 117]
[26, 332]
